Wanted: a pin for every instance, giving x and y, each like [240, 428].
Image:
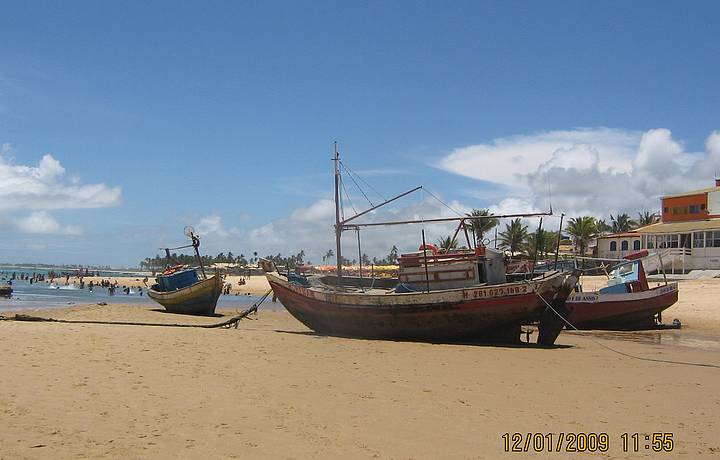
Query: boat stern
[555, 314]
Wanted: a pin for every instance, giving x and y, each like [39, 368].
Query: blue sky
[223, 114]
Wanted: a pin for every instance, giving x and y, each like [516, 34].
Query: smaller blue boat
[180, 290]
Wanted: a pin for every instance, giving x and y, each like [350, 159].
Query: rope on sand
[232, 322]
[628, 355]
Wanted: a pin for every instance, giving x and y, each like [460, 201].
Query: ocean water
[28, 296]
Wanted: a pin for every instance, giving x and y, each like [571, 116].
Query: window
[668, 241]
[613, 246]
[679, 210]
[698, 240]
[694, 209]
[665, 210]
[636, 245]
[712, 239]
[624, 245]
[650, 242]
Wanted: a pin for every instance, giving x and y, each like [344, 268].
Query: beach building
[688, 232]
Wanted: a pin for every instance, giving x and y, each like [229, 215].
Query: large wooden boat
[458, 296]
[199, 298]
[367, 309]
[181, 290]
[627, 302]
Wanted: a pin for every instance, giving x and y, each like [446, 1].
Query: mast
[338, 227]
[196, 245]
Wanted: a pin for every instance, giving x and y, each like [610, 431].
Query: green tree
[481, 222]
[447, 243]
[647, 218]
[392, 257]
[582, 230]
[622, 223]
[546, 242]
[603, 227]
[514, 237]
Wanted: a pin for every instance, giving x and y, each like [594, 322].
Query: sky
[121, 123]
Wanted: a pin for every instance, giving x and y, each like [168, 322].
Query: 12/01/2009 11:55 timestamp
[586, 442]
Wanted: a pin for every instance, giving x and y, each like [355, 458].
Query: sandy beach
[274, 389]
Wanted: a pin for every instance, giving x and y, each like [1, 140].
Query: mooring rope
[629, 355]
[225, 324]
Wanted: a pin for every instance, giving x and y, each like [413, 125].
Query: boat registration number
[495, 292]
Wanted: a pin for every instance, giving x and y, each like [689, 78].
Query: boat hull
[197, 299]
[468, 314]
[620, 311]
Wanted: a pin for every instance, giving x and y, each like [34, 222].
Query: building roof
[681, 227]
[619, 235]
[693, 192]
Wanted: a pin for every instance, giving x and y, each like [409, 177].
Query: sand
[273, 389]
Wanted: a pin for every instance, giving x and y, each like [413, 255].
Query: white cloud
[42, 187]
[211, 225]
[40, 222]
[588, 171]
[506, 160]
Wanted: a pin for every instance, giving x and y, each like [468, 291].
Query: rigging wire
[443, 203]
[357, 185]
[363, 181]
[347, 195]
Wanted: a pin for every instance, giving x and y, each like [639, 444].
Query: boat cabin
[457, 269]
[629, 277]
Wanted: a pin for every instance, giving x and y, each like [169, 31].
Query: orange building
[696, 205]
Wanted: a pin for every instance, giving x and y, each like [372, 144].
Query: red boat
[627, 302]
[461, 295]
[386, 309]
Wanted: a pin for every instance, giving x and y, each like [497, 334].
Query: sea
[42, 295]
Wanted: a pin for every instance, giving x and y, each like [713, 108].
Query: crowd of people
[78, 281]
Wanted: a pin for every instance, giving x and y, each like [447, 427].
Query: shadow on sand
[214, 315]
[459, 342]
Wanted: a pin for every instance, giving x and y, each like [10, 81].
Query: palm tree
[622, 223]
[647, 218]
[447, 243]
[329, 255]
[582, 230]
[546, 242]
[392, 257]
[603, 227]
[481, 223]
[514, 236]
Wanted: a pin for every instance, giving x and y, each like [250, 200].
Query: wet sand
[273, 389]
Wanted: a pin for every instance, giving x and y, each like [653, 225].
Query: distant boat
[627, 302]
[458, 295]
[182, 291]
